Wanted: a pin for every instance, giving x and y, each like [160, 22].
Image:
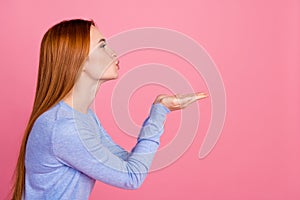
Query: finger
[187, 99]
[194, 96]
[201, 95]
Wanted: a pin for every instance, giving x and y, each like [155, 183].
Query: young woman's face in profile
[102, 63]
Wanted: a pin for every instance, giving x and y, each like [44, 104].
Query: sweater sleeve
[114, 148]
[108, 142]
[76, 145]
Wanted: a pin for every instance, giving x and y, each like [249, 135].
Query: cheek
[105, 62]
[110, 71]
[98, 65]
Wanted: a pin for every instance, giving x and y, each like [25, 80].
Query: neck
[83, 93]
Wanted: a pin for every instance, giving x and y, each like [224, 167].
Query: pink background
[255, 45]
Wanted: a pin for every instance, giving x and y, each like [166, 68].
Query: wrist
[160, 107]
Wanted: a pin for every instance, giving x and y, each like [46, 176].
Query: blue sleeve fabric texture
[67, 151]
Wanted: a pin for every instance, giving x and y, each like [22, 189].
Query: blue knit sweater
[68, 150]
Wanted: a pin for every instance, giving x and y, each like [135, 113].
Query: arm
[108, 142]
[114, 148]
[81, 149]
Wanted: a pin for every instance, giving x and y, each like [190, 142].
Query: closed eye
[103, 44]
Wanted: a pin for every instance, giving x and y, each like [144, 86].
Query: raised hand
[179, 101]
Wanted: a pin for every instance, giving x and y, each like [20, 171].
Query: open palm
[179, 101]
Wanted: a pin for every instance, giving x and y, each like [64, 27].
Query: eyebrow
[102, 40]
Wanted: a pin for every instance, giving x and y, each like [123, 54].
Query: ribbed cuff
[160, 108]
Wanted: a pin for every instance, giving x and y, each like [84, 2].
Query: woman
[65, 148]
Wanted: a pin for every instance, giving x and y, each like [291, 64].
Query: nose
[114, 57]
[113, 54]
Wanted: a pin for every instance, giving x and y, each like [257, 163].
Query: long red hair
[64, 48]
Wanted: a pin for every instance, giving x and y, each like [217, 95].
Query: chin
[116, 75]
[110, 78]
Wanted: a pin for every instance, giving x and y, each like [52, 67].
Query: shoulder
[53, 114]
[64, 128]
[57, 120]
[70, 127]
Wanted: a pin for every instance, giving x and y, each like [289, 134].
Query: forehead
[95, 36]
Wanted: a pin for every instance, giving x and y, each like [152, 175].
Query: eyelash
[103, 45]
